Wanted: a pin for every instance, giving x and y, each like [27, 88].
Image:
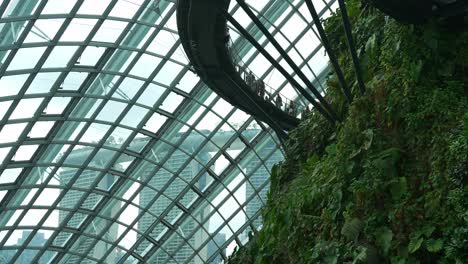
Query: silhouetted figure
[305, 112]
[261, 90]
[249, 78]
[279, 101]
[292, 108]
[255, 86]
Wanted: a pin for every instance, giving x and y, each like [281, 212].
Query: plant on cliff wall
[388, 184]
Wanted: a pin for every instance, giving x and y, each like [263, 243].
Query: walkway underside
[202, 28]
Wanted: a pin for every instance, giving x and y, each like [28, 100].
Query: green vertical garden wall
[388, 184]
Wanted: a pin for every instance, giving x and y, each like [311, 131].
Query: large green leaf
[351, 229]
[415, 244]
[434, 245]
[384, 239]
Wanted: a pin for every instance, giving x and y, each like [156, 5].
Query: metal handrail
[270, 92]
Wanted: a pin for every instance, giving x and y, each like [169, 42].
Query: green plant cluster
[388, 184]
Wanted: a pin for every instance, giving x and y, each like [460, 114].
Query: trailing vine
[388, 185]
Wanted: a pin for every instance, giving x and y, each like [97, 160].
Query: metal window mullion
[156, 71]
[89, 37]
[61, 30]
[351, 45]
[22, 137]
[326, 43]
[109, 132]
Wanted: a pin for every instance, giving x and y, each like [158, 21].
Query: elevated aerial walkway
[203, 32]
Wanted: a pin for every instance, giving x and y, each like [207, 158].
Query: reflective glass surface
[113, 151]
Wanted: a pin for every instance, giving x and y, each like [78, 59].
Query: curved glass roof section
[113, 151]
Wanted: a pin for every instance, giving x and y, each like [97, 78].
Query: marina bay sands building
[159, 198]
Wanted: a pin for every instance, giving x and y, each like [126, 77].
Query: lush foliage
[388, 184]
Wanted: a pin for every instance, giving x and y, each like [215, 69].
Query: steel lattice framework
[113, 151]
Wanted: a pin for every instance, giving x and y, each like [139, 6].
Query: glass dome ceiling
[112, 150]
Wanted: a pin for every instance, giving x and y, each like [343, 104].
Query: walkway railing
[263, 90]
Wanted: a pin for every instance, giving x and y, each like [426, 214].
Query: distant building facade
[87, 177]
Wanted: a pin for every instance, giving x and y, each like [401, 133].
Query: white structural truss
[113, 151]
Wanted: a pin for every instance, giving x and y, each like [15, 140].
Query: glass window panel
[78, 29]
[110, 31]
[171, 102]
[162, 43]
[69, 130]
[43, 82]
[25, 152]
[58, 7]
[209, 122]
[172, 23]
[26, 58]
[125, 9]
[74, 80]
[95, 133]
[151, 95]
[32, 217]
[41, 129]
[4, 106]
[3, 153]
[139, 142]
[128, 88]
[26, 108]
[123, 162]
[102, 158]
[60, 57]
[11, 132]
[188, 81]
[44, 30]
[11, 85]
[48, 256]
[145, 66]
[180, 56]
[57, 105]
[93, 7]
[107, 182]
[2, 194]
[168, 73]
[47, 198]
[319, 61]
[30, 195]
[90, 56]
[134, 116]
[111, 111]
[307, 43]
[120, 60]
[155, 122]
[118, 137]
[91, 201]
[10, 175]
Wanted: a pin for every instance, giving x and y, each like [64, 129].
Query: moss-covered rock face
[388, 185]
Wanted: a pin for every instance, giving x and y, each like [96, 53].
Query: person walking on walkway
[279, 101]
[305, 112]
